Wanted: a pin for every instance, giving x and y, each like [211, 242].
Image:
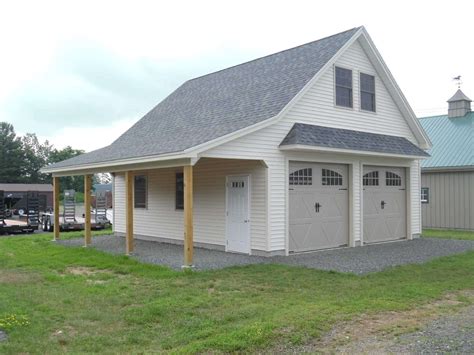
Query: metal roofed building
[447, 177]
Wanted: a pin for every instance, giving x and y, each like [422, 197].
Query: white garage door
[319, 206]
[384, 204]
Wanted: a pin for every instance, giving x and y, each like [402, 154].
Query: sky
[80, 73]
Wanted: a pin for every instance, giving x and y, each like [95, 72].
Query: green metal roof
[453, 141]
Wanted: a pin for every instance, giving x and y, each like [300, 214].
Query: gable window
[367, 92]
[140, 191]
[392, 179]
[331, 178]
[371, 179]
[425, 195]
[302, 177]
[179, 191]
[343, 87]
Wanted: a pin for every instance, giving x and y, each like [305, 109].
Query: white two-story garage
[309, 148]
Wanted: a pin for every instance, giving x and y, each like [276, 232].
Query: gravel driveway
[358, 260]
[448, 334]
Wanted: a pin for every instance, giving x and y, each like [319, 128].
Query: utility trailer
[70, 222]
[28, 223]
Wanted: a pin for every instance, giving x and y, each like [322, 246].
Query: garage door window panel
[302, 177]
[392, 179]
[371, 179]
[331, 178]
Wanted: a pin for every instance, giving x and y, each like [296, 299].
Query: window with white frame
[367, 92]
[425, 195]
[302, 177]
[140, 191]
[343, 87]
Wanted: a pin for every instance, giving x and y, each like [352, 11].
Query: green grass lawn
[55, 299]
[448, 234]
[80, 234]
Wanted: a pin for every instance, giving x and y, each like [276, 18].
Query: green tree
[12, 157]
[36, 156]
[67, 182]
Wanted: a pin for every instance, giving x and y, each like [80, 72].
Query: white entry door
[238, 216]
[385, 208]
[319, 206]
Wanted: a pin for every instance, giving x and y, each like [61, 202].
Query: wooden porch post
[188, 215]
[129, 212]
[56, 207]
[87, 209]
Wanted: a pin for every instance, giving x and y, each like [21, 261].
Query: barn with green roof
[447, 177]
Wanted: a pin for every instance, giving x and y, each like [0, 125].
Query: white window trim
[426, 198]
[375, 93]
[335, 88]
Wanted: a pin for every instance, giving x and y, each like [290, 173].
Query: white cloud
[89, 137]
[90, 63]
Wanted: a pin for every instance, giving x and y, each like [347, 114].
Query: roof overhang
[143, 163]
[310, 148]
[452, 169]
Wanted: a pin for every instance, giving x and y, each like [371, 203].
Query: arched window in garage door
[302, 177]
[392, 179]
[371, 178]
[331, 178]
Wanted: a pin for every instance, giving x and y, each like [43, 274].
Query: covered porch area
[212, 203]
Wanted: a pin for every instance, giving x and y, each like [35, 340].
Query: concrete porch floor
[360, 260]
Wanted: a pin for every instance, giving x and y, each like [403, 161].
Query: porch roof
[328, 138]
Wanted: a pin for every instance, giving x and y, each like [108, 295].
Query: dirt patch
[86, 271]
[96, 282]
[17, 277]
[63, 335]
[376, 333]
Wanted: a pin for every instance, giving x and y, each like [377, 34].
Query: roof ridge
[269, 55]
[422, 118]
[446, 116]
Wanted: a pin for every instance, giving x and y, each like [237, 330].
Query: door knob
[382, 204]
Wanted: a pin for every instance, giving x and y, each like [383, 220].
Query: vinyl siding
[451, 200]
[414, 189]
[161, 219]
[317, 107]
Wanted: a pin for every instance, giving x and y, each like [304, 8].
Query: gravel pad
[446, 335]
[359, 260]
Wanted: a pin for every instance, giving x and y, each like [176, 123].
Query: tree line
[22, 157]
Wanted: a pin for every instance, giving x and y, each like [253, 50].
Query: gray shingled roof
[459, 96]
[319, 136]
[213, 105]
